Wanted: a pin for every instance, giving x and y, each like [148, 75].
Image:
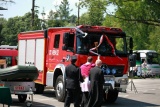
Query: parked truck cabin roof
[6, 50]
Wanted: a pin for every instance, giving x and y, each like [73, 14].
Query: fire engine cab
[8, 56]
[50, 51]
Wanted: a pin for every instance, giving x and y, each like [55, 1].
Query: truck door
[55, 53]
[68, 46]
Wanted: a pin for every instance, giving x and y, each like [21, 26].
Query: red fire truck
[50, 51]
[8, 56]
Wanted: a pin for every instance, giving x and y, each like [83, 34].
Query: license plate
[21, 88]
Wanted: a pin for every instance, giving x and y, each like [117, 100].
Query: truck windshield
[152, 58]
[106, 44]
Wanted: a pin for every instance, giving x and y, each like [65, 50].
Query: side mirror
[132, 60]
[131, 43]
[130, 52]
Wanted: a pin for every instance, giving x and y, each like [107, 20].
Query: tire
[29, 104]
[39, 88]
[60, 89]
[22, 98]
[111, 96]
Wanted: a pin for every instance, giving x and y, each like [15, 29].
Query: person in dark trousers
[73, 79]
[96, 85]
[85, 70]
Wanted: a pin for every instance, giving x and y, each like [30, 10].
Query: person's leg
[76, 100]
[85, 98]
[68, 98]
[100, 100]
[82, 100]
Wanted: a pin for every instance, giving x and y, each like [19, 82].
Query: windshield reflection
[98, 44]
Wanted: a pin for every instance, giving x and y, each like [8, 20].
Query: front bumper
[115, 83]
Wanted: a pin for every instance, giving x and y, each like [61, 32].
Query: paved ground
[148, 96]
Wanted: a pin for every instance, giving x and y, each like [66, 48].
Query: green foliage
[15, 25]
[72, 19]
[96, 10]
[155, 39]
[138, 19]
[55, 23]
[84, 19]
[111, 21]
[64, 10]
[61, 17]
[2, 23]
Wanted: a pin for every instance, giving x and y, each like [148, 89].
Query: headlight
[113, 71]
[108, 71]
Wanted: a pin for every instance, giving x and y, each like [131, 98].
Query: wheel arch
[59, 70]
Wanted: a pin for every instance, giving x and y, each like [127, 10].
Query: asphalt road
[148, 96]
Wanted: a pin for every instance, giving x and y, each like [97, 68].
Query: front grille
[117, 71]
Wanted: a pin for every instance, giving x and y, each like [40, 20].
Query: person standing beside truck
[96, 85]
[73, 79]
[85, 70]
[144, 68]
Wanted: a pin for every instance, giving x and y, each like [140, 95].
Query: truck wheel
[39, 88]
[22, 98]
[28, 104]
[60, 89]
[111, 96]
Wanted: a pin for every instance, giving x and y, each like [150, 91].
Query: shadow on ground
[124, 102]
[121, 102]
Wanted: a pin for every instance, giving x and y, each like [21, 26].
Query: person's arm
[102, 77]
[83, 72]
[80, 76]
[142, 65]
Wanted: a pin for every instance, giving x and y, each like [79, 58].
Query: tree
[13, 26]
[52, 15]
[96, 10]
[138, 19]
[61, 17]
[72, 19]
[2, 24]
[64, 10]
[85, 19]
[53, 20]
[140, 11]
[155, 40]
